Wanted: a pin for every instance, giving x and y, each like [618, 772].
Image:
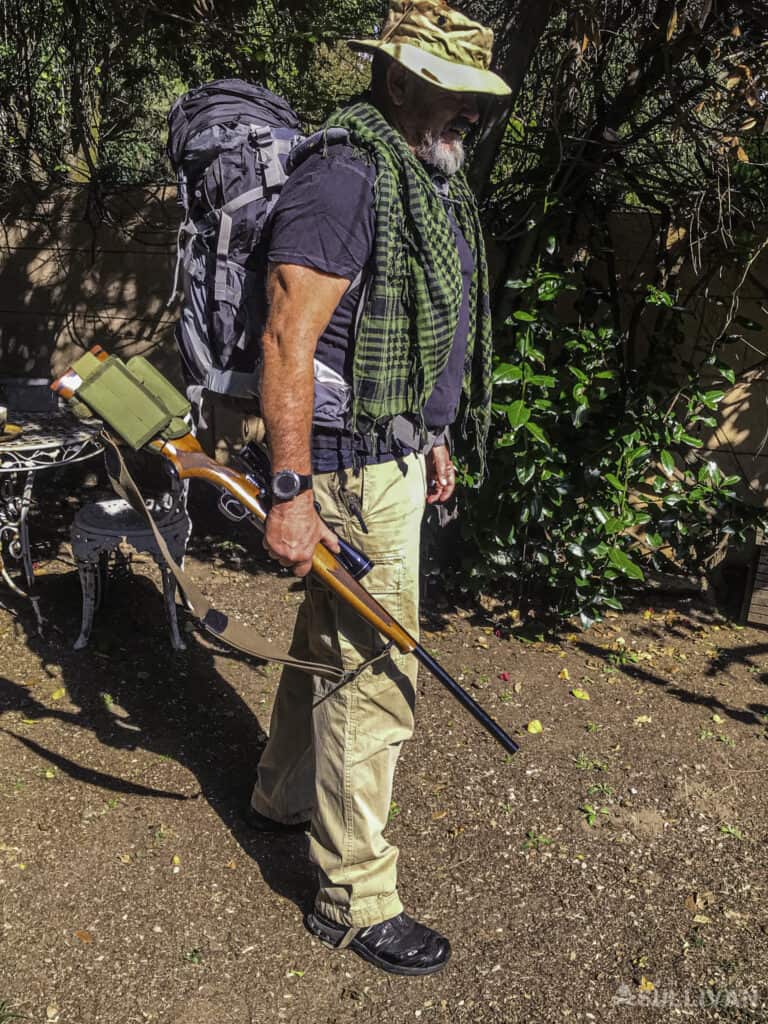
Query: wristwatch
[287, 484]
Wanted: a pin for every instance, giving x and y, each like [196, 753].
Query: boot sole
[331, 937]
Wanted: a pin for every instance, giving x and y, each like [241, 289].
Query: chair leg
[169, 597]
[89, 584]
[102, 579]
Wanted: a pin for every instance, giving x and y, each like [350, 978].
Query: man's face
[435, 122]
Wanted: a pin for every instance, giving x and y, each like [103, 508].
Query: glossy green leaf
[694, 442]
[614, 481]
[524, 472]
[507, 373]
[624, 563]
[536, 432]
[518, 413]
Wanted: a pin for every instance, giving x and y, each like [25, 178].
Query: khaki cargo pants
[331, 756]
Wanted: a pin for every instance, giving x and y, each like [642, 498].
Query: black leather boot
[399, 945]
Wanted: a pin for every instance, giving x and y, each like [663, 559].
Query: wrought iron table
[46, 441]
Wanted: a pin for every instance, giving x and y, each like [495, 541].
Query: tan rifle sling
[233, 633]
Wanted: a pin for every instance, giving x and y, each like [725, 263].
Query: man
[378, 323]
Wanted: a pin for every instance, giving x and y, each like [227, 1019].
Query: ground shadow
[173, 704]
[690, 616]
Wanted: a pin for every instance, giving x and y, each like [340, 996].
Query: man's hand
[441, 475]
[292, 532]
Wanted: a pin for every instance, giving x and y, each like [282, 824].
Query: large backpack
[229, 142]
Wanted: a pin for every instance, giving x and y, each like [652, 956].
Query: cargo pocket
[359, 640]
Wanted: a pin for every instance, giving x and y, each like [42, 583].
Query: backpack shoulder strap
[315, 143]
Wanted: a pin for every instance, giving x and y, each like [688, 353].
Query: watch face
[286, 484]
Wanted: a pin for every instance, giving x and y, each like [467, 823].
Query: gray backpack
[232, 145]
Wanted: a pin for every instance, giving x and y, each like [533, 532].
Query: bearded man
[378, 329]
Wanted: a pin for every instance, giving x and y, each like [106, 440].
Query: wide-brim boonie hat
[438, 44]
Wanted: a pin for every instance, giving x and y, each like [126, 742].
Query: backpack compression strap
[225, 236]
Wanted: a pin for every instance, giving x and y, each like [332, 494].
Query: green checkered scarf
[409, 322]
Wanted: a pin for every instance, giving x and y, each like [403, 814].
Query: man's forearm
[287, 397]
[301, 302]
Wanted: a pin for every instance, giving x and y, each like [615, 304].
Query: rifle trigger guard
[232, 508]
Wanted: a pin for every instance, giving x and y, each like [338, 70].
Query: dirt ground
[614, 870]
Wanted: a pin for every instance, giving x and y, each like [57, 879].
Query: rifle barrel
[465, 700]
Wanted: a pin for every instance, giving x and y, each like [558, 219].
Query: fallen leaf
[504, 677]
[702, 919]
[85, 937]
[741, 155]
[699, 901]
[734, 915]
[535, 727]
[646, 985]
[565, 674]
[231, 865]
[58, 694]
[439, 815]
[30, 721]
[717, 718]
[580, 694]
[124, 858]
[175, 860]
[642, 720]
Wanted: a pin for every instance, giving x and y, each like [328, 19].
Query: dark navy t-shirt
[324, 219]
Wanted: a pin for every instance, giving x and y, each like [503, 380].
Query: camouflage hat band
[438, 44]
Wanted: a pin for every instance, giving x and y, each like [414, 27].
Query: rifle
[144, 409]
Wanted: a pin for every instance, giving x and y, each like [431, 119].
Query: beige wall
[66, 284]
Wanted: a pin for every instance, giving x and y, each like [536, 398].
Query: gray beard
[447, 157]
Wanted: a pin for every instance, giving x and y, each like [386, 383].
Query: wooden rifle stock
[191, 463]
